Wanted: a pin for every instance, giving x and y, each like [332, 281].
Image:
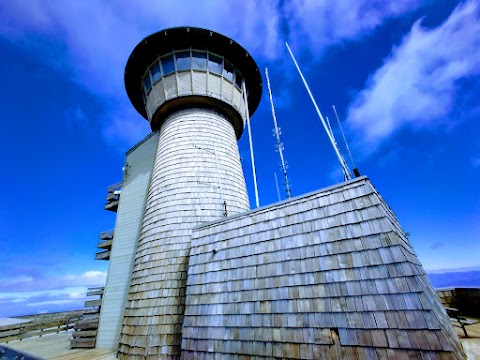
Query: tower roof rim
[176, 38]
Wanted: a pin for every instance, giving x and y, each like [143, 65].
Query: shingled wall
[328, 275]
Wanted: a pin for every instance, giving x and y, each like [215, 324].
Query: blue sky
[404, 77]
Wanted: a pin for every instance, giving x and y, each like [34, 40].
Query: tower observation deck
[188, 83]
[185, 67]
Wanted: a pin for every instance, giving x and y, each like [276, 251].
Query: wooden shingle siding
[197, 167]
[327, 275]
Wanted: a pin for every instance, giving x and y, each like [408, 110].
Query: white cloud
[91, 41]
[417, 85]
[248, 22]
[125, 125]
[89, 278]
[324, 23]
[20, 295]
[34, 302]
[98, 49]
[28, 283]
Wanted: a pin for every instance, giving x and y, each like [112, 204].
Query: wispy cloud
[126, 124]
[437, 245]
[30, 283]
[417, 85]
[37, 302]
[29, 294]
[325, 23]
[93, 53]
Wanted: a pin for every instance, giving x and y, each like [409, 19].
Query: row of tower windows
[187, 60]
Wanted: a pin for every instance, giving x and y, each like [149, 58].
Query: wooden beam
[105, 244]
[84, 333]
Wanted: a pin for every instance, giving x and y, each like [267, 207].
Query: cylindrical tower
[187, 82]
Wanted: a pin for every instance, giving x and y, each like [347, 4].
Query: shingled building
[195, 274]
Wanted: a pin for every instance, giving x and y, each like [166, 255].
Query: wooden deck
[57, 347]
[471, 344]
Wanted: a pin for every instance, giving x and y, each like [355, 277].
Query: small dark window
[199, 60]
[155, 70]
[228, 71]
[183, 60]
[215, 64]
[168, 65]
[238, 79]
[147, 83]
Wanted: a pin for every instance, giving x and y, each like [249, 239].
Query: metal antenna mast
[276, 184]
[247, 116]
[277, 132]
[335, 144]
[355, 170]
[343, 164]
[331, 131]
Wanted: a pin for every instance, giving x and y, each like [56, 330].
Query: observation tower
[189, 84]
[328, 274]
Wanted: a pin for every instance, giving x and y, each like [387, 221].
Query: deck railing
[25, 330]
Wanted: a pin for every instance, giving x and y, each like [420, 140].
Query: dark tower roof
[179, 38]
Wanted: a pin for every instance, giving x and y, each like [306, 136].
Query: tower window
[238, 79]
[168, 65]
[186, 60]
[215, 64]
[199, 60]
[155, 70]
[183, 60]
[147, 83]
[228, 71]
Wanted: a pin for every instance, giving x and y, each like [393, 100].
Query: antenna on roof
[331, 131]
[276, 184]
[355, 169]
[247, 116]
[335, 144]
[279, 145]
[343, 164]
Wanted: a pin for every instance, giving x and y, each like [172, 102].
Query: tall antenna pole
[355, 170]
[276, 184]
[279, 143]
[330, 128]
[335, 144]
[346, 171]
[247, 117]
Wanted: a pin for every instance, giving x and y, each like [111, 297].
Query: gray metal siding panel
[127, 229]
